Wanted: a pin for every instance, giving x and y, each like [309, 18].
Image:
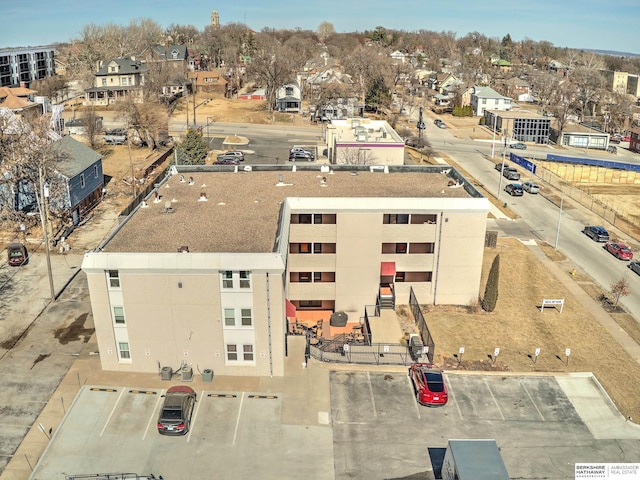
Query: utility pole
[44, 195]
[195, 125]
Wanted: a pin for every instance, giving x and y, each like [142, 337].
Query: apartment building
[203, 271]
[363, 141]
[22, 65]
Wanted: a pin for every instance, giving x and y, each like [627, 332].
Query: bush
[491, 290]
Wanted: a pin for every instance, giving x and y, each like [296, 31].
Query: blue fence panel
[596, 163]
[523, 162]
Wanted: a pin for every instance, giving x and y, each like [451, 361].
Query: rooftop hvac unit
[187, 373]
[166, 373]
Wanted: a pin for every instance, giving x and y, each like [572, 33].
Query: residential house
[398, 56]
[289, 98]
[80, 170]
[517, 88]
[486, 98]
[115, 80]
[178, 58]
[209, 82]
[22, 65]
[76, 183]
[19, 100]
[558, 68]
[500, 63]
[211, 280]
[441, 81]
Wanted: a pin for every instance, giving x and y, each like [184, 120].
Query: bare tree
[545, 88]
[562, 102]
[147, 121]
[50, 87]
[93, 127]
[588, 83]
[271, 66]
[356, 156]
[620, 289]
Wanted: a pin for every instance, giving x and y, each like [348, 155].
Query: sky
[583, 24]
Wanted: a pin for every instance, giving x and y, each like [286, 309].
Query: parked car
[635, 267]
[428, 384]
[518, 146]
[17, 254]
[619, 250]
[301, 149]
[514, 189]
[237, 154]
[614, 140]
[294, 156]
[226, 161]
[612, 149]
[596, 233]
[626, 138]
[530, 187]
[510, 173]
[175, 414]
[439, 123]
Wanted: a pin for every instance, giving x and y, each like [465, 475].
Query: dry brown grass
[518, 327]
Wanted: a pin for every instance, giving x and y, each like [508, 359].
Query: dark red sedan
[619, 250]
[428, 383]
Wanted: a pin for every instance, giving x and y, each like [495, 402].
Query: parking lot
[380, 431]
[233, 435]
[543, 425]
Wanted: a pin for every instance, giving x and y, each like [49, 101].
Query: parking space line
[235, 433]
[194, 415]
[113, 410]
[452, 395]
[373, 400]
[494, 399]
[531, 398]
[154, 413]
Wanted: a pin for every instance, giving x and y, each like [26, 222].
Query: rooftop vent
[203, 197]
[157, 197]
[183, 249]
[182, 180]
[191, 182]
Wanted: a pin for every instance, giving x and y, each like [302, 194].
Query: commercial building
[522, 126]
[203, 272]
[362, 141]
[21, 66]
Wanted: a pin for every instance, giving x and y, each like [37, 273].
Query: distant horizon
[573, 24]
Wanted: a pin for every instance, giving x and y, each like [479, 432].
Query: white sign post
[552, 302]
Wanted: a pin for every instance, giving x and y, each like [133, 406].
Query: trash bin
[187, 373]
[166, 373]
[207, 375]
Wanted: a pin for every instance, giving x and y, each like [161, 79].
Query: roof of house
[13, 102]
[126, 66]
[242, 210]
[486, 92]
[211, 77]
[171, 52]
[75, 157]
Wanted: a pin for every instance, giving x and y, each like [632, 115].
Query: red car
[428, 383]
[619, 250]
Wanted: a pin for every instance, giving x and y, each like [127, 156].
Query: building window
[104, 82]
[399, 277]
[484, 101]
[232, 352]
[227, 279]
[124, 81]
[304, 248]
[304, 277]
[95, 171]
[401, 248]
[394, 218]
[82, 180]
[123, 350]
[317, 277]
[245, 279]
[317, 248]
[118, 315]
[114, 278]
[229, 317]
[247, 350]
[304, 218]
[317, 218]
[246, 317]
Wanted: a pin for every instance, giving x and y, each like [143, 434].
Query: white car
[530, 187]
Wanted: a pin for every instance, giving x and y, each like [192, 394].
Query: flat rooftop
[241, 212]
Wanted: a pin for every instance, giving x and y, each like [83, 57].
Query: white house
[485, 98]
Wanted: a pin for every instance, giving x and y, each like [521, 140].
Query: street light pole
[493, 142]
[208, 136]
[559, 218]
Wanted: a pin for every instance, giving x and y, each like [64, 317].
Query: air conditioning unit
[187, 373]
